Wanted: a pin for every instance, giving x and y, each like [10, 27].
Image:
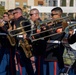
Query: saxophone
[10, 38]
[25, 45]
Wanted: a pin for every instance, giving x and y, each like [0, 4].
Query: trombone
[18, 31]
[70, 27]
[45, 22]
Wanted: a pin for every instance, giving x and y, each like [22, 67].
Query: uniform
[39, 47]
[5, 51]
[24, 63]
[54, 51]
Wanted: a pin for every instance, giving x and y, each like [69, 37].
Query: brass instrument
[70, 27]
[25, 45]
[10, 38]
[64, 25]
[26, 48]
[54, 21]
[18, 31]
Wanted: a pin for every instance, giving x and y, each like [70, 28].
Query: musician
[12, 48]
[4, 22]
[23, 64]
[5, 46]
[11, 18]
[4, 26]
[54, 51]
[40, 45]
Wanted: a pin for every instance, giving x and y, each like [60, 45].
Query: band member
[23, 64]
[11, 18]
[54, 51]
[40, 45]
[4, 23]
[5, 45]
[12, 47]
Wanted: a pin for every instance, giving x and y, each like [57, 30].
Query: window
[40, 3]
[24, 5]
[54, 2]
[2, 3]
[40, 14]
[17, 4]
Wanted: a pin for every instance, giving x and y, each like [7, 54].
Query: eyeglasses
[10, 14]
[5, 16]
[15, 13]
[53, 14]
[30, 14]
[33, 14]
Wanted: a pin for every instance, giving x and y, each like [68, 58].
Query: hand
[32, 59]
[24, 36]
[33, 63]
[10, 28]
[50, 24]
[71, 32]
[38, 30]
[33, 37]
[14, 26]
[59, 30]
[43, 27]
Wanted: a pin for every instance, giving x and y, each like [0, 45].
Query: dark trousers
[39, 65]
[4, 61]
[24, 64]
[12, 61]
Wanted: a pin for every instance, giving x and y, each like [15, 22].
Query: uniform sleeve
[72, 39]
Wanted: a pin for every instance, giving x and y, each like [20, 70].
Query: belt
[54, 41]
[3, 34]
[20, 36]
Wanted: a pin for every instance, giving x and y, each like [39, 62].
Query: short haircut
[35, 9]
[11, 10]
[6, 13]
[18, 8]
[57, 9]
